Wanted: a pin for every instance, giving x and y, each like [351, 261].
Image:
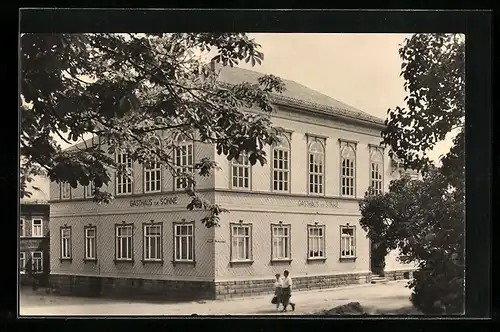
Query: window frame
[183, 143]
[33, 271]
[346, 145]
[160, 241]
[22, 267]
[248, 260]
[157, 170]
[69, 248]
[124, 176]
[323, 237]
[33, 227]
[86, 258]
[321, 141]
[285, 149]
[288, 227]
[62, 187]
[376, 150]
[86, 188]
[347, 227]
[121, 259]
[22, 227]
[241, 167]
[176, 237]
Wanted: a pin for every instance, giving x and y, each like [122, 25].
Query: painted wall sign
[153, 202]
[319, 204]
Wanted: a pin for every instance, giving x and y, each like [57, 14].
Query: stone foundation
[398, 275]
[231, 289]
[182, 290]
[129, 288]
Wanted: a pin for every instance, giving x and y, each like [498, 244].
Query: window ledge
[117, 261]
[316, 259]
[151, 261]
[90, 260]
[348, 259]
[241, 262]
[283, 260]
[174, 263]
[65, 260]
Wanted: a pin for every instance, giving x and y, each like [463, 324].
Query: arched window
[241, 172]
[316, 158]
[281, 165]
[347, 170]
[184, 159]
[376, 171]
[152, 172]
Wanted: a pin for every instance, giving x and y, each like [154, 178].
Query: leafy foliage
[128, 88]
[425, 219]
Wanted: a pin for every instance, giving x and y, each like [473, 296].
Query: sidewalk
[392, 295]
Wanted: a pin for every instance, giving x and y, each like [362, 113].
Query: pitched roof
[298, 94]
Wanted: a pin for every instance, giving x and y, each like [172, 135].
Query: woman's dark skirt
[285, 296]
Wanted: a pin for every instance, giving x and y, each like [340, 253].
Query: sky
[361, 70]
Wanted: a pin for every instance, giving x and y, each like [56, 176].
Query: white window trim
[241, 167]
[233, 258]
[124, 176]
[33, 261]
[380, 162]
[345, 146]
[86, 245]
[342, 237]
[159, 239]
[321, 174]
[22, 267]
[33, 227]
[117, 242]
[157, 169]
[288, 242]
[177, 238]
[86, 189]
[65, 254]
[22, 222]
[322, 241]
[188, 167]
[285, 149]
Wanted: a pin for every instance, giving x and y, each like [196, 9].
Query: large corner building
[299, 212]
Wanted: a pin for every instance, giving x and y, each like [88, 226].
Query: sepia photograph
[264, 174]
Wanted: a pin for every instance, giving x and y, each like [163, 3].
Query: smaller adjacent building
[34, 244]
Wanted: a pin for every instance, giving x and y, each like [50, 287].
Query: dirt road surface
[392, 295]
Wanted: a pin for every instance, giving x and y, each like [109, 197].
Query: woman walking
[277, 291]
[286, 291]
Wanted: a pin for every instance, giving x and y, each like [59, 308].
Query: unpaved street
[388, 296]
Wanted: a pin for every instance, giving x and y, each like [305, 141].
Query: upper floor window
[124, 180]
[281, 165]
[184, 159]
[347, 168]
[88, 191]
[22, 230]
[241, 172]
[152, 178]
[376, 171]
[37, 228]
[316, 159]
[65, 190]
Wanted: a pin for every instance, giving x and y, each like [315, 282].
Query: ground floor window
[316, 241]
[124, 251]
[152, 242]
[347, 242]
[90, 243]
[22, 263]
[280, 242]
[65, 242]
[184, 242]
[241, 242]
[37, 262]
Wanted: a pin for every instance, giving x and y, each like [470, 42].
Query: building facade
[299, 212]
[34, 246]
